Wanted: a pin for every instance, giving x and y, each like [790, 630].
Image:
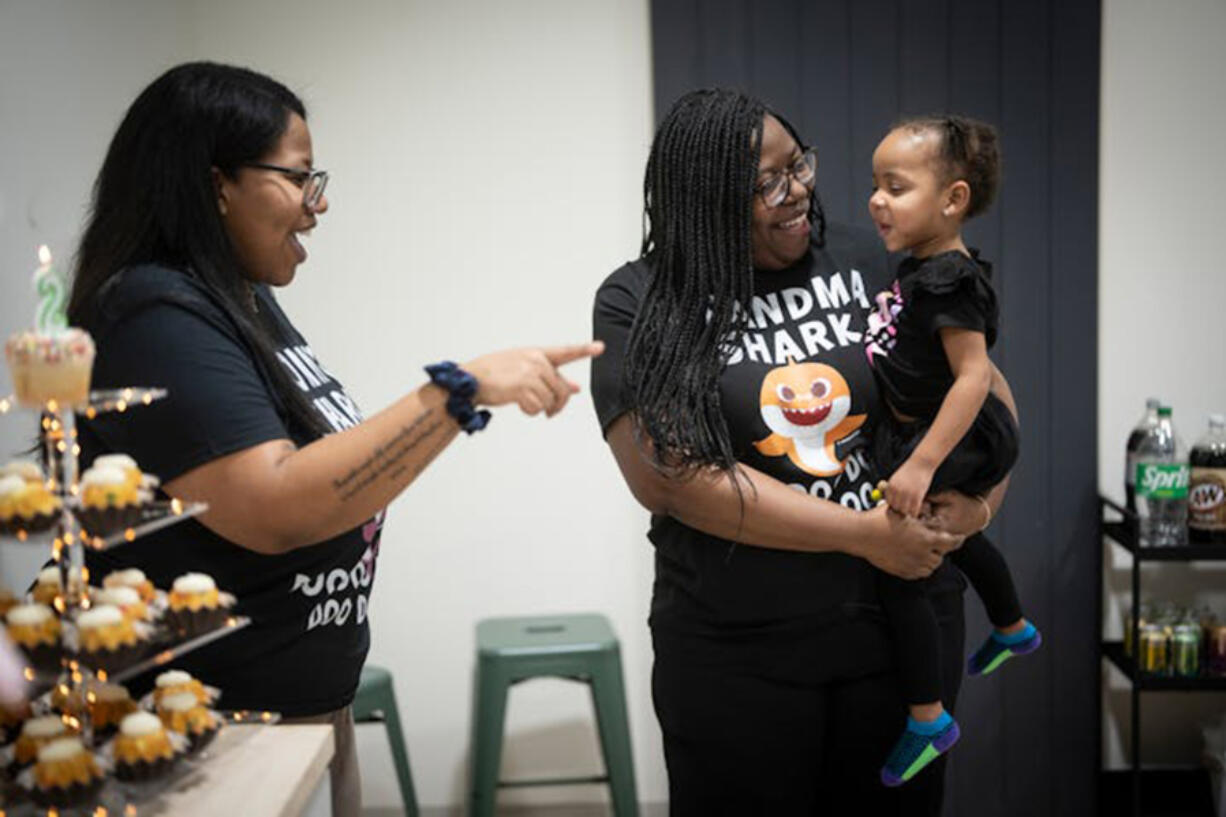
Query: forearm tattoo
[387, 460]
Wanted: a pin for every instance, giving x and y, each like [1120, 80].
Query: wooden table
[256, 771]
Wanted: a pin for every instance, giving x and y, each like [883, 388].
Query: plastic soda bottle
[1148, 421]
[1207, 490]
[1162, 485]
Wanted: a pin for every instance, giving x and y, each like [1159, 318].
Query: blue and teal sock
[999, 648]
[920, 743]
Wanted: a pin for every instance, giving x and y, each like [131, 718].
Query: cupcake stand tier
[67, 540]
[164, 649]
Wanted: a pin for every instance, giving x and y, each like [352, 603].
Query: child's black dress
[948, 290]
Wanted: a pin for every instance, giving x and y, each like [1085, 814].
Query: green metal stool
[577, 647]
[376, 702]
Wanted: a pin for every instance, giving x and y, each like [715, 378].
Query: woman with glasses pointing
[735, 395]
[198, 211]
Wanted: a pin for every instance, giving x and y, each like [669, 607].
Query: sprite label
[1162, 481]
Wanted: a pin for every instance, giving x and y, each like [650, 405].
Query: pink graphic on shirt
[371, 529]
[370, 533]
[881, 335]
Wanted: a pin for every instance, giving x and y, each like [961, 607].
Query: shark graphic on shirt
[807, 407]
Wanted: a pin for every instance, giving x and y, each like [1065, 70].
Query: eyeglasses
[774, 188]
[312, 182]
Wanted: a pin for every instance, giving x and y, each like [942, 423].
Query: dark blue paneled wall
[842, 71]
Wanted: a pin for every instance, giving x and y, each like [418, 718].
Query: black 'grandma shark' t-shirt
[798, 397]
[303, 653]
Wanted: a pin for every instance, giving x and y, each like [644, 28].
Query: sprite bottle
[1161, 487]
[1148, 423]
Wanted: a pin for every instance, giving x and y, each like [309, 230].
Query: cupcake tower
[54, 764]
[81, 636]
[51, 367]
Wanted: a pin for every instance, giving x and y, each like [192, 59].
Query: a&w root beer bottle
[1207, 494]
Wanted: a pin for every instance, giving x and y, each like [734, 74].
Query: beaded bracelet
[461, 387]
[987, 512]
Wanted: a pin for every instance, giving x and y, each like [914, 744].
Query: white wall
[487, 160]
[1162, 327]
[68, 71]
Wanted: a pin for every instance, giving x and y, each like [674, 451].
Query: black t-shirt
[304, 650]
[947, 290]
[796, 394]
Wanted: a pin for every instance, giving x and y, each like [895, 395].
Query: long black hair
[698, 212]
[155, 202]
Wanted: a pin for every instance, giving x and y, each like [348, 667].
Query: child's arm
[967, 352]
[951, 510]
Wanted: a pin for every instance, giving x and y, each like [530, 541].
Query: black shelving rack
[1123, 529]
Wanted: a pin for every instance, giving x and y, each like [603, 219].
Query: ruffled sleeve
[950, 290]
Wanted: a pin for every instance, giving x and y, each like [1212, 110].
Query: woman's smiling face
[263, 211]
[780, 234]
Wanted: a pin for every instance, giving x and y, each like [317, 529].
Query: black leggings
[913, 622]
[794, 725]
[980, 460]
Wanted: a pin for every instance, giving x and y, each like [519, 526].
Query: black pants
[913, 622]
[794, 725]
[980, 460]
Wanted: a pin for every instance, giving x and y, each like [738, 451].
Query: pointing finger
[559, 355]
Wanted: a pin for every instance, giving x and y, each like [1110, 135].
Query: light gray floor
[586, 810]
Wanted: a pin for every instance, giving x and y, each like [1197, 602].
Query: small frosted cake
[144, 749]
[127, 599]
[7, 601]
[66, 775]
[195, 605]
[49, 368]
[28, 470]
[131, 471]
[35, 628]
[183, 714]
[104, 486]
[110, 501]
[37, 733]
[67, 701]
[12, 492]
[48, 586]
[10, 726]
[106, 640]
[26, 506]
[176, 682]
[108, 705]
[133, 577]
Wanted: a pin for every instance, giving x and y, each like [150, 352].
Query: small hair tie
[461, 388]
[956, 135]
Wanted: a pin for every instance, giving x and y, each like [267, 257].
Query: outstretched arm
[276, 497]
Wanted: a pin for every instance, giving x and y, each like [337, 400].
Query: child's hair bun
[969, 150]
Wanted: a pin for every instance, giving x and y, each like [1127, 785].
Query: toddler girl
[928, 345]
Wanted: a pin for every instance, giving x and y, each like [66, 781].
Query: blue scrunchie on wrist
[461, 387]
